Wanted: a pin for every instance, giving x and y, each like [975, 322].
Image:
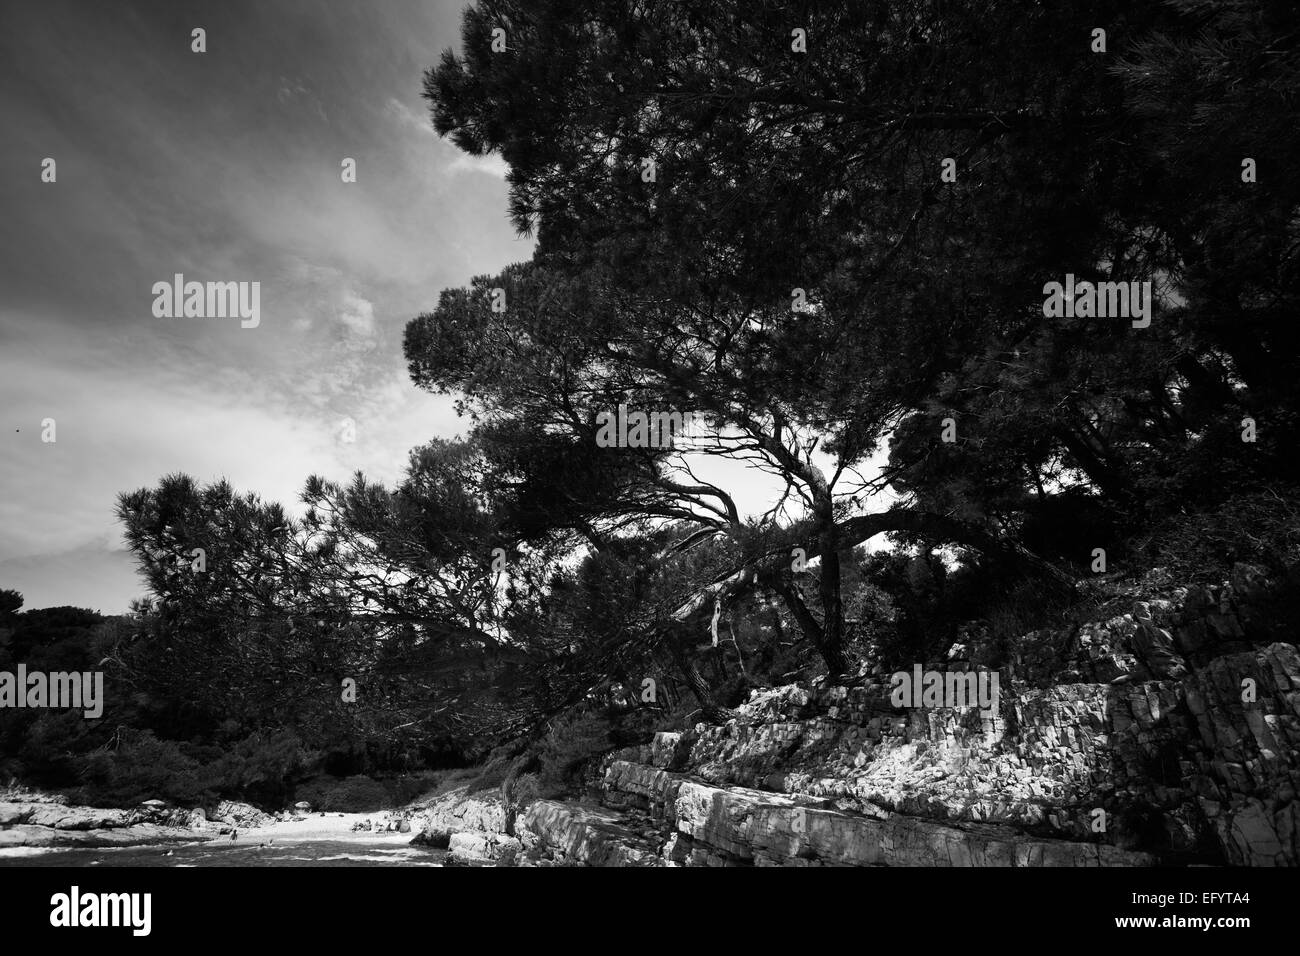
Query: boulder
[434, 839]
[459, 811]
[241, 815]
[565, 833]
[477, 848]
[40, 836]
[77, 818]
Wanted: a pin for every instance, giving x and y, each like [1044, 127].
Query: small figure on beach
[234, 835]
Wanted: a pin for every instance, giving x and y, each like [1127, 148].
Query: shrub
[1261, 528]
[572, 741]
[141, 768]
[261, 767]
[355, 794]
[527, 789]
[406, 788]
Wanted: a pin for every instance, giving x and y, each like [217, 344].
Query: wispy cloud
[357, 315]
[245, 188]
[412, 122]
[491, 165]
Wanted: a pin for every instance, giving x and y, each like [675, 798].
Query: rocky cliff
[1165, 733]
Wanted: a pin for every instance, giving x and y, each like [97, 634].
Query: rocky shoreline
[41, 821]
[52, 824]
[646, 815]
[1165, 734]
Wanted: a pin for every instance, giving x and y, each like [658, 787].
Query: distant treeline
[151, 742]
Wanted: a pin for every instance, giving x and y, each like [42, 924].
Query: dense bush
[572, 741]
[356, 794]
[140, 768]
[1261, 528]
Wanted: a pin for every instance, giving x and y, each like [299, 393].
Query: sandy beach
[315, 840]
[331, 826]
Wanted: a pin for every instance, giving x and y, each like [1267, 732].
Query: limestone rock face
[142, 835]
[1166, 733]
[1172, 729]
[476, 848]
[737, 826]
[241, 815]
[57, 824]
[61, 817]
[579, 835]
[460, 812]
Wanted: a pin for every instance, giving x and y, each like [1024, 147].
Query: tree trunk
[695, 681]
[832, 653]
[1109, 481]
[829, 589]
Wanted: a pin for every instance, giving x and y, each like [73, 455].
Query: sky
[223, 166]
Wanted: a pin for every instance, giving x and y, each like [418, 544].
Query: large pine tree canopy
[826, 229]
